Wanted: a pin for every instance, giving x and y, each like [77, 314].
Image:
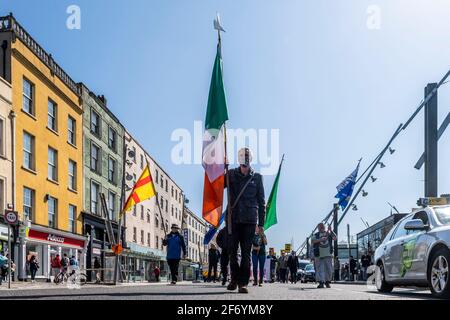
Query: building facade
[103, 154]
[195, 229]
[48, 148]
[6, 157]
[146, 224]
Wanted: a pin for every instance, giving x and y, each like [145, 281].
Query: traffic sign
[11, 217]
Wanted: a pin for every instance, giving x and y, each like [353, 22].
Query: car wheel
[380, 280]
[438, 273]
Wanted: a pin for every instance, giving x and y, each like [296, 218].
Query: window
[95, 158]
[72, 175]
[95, 123]
[162, 203]
[52, 115]
[156, 222]
[157, 176]
[172, 191]
[52, 211]
[171, 209]
[2, 139]
[148, 216]
[112, 170]
[134, 234]
[134, 154]
[167, 185]
[167, 206]
[95, 190]
[28, 151]
[157, 242]
[112, 139]
[401, 231]
[162, 182]
[52, 164]
[135, 210]
[142, 237]
[71, 130]
[72, 217]
[142, 213]
[142, 162]
[28, 96]
[111, 205]
[28, 203]
[148, 239]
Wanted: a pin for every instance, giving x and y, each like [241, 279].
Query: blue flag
[345, 188]
[212, 231]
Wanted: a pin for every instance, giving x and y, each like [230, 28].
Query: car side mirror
[416, 224]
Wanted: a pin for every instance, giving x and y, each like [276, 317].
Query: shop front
[99, 247]
[45, 243]
[3, 238]
[139, 262]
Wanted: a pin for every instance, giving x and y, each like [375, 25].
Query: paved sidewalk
[41, 285]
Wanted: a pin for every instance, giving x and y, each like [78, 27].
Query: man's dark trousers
[173, 265]
[224, 261]
[212, 267]
[242, 235]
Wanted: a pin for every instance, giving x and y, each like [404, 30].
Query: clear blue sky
[335, 89]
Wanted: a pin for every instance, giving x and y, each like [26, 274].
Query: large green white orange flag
[214, 146]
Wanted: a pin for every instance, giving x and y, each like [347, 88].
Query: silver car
[416, 252]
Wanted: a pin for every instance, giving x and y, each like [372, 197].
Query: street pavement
[205, 291]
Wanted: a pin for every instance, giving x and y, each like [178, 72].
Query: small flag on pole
[345, 188]
[271, 209]
[142, 190]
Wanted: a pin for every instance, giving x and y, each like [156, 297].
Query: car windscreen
[302, 265]
[309, 267]
[443, 215]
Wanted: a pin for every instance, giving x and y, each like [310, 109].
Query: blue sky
[336, 89]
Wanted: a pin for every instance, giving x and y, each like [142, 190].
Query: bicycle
[74, 277]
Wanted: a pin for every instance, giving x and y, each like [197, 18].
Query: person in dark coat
[352, 268]
[34, 266]
[213, 260]
[247, 212]
[293, 266]
[222, 242]
[175, 245]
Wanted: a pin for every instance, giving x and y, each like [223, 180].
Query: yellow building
[48, 152]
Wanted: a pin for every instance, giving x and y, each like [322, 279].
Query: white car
[416, 252]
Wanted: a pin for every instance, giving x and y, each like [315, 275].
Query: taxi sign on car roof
[431, 201]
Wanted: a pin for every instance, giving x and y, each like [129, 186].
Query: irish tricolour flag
[214, 146]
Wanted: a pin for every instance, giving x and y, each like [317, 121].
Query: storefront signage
[53, 238]
[50, 237]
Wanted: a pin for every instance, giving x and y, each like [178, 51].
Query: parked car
[309, 274]
[416, 252]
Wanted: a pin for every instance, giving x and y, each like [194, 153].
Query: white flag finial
[217, 24]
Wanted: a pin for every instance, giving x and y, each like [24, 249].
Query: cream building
[197, 229]
[6, 156]
[145, 223]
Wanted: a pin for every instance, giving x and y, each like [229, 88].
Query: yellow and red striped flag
[142, 190]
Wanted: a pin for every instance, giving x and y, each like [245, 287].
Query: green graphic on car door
[407, 256]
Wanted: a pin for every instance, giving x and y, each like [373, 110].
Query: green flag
[271, 209]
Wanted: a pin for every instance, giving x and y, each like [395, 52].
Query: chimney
[103, 99]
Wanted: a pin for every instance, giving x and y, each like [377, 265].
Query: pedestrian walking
[97, 270]
[213, 260]
[323, 252]
[175, 246]
[157, 273]
[293, 265]
[353, 269]
[283, 267]
[365, 263]
[65, 262]
[34, 266]
[222, 242]
[258, 257]
[248, 209]
[3, 266]
[273, 264]
[337, 268]
[56, 266]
